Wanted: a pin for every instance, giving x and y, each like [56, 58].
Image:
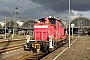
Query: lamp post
[15, 13]
[5, 27]
[72, 25]
[69, 26]
[78, 27]
[66, 25]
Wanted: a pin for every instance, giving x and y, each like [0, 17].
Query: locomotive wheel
[25, 48]
[34, 50]
[44, 48]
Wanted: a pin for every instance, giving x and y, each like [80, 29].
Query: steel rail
[7, 49]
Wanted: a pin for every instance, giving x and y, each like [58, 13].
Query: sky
[32, 9]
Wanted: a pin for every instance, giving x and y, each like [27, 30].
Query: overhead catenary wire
[47, 4]
[53, 3]
[58, 2]
[85, 5]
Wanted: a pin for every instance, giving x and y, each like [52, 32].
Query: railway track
[37, 56]
[7, 49]
[29, 55]
[34, 56]
[11, 40]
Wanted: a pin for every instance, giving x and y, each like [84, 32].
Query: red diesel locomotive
[48, 35]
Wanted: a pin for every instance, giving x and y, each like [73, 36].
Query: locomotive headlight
[50, 17]
[50, 36]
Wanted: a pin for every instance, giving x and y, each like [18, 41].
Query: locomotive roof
[50, 19]
[42, 19]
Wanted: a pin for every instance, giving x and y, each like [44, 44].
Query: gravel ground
[17, 55]
[10, 54]
[80, 50]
